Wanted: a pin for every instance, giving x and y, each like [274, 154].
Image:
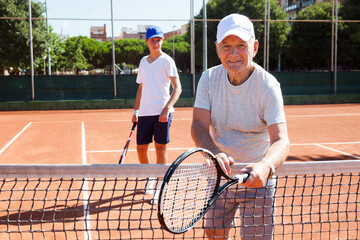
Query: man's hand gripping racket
[123, 154]
[188, 190]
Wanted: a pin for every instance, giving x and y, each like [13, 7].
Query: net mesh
[318, 200]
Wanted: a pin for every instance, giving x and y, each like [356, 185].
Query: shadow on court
[74, 213]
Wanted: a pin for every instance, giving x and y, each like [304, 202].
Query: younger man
[154, 105]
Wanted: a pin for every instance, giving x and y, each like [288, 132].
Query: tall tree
[349, 35]
[217, 9]
[182, 51]
[14, 40]
[57, 48]
[130, 51]
[73, 58]
[92, 51]
[310, 42]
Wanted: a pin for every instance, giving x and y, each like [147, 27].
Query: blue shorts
[149, 127]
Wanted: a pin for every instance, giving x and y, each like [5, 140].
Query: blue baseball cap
[154, 31]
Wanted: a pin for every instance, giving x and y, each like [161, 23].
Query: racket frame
[123, 154]
[217, 190]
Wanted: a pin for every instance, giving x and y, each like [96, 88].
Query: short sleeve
[172, 68]
[202, 99]
[139, 77]
[274, 106]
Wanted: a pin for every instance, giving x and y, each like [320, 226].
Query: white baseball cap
[235, 24]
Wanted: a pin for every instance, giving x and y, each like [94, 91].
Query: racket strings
[188, 193]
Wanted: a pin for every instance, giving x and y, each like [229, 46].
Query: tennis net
[314, 200]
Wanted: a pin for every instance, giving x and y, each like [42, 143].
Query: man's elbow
[285, 142]
[179, 89]
[286, 148]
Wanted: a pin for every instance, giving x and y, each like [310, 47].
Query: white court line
[189, 119]
[134, 150]
[326, 115]
[14, 138]
[186, 148]
[106, 120]
[328, 143]
[348, 154]
[83, 144]
[87, 233]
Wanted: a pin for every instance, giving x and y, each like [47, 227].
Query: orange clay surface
[316, 132]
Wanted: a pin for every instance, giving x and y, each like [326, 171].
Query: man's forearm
[202, 138]
[278, 152]
[173, 97]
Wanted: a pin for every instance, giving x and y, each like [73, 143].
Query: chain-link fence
[310, 46]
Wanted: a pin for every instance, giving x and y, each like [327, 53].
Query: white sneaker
[149, 187]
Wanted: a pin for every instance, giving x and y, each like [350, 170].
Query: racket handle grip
[241, 177]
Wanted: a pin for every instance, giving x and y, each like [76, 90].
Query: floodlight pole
[44, 58]
[268, 38]
[192, 45]
[113, 48]
[264, 60]
[31, 54]
[173, 33]
[335, 47]
[334, 35]
[47, 28]
[204, 37]
[266, 34]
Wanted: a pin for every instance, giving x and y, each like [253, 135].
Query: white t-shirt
[240, 114]
[155, 78]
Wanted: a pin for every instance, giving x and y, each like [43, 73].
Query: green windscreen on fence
[88, 87]
[74, 87]
[15, 88]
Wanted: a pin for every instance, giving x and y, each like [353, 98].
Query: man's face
[236, 54]
[154, 43]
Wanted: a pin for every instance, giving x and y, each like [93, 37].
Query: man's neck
[153, 56]
[237, 79]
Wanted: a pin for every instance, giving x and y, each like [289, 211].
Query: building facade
[292, 7]
[98, 33]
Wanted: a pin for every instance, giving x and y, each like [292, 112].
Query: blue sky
[170, 12]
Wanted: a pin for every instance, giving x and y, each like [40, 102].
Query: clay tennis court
[317, 133]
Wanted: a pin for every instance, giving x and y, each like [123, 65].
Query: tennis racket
[123, 154]
[188, 190]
